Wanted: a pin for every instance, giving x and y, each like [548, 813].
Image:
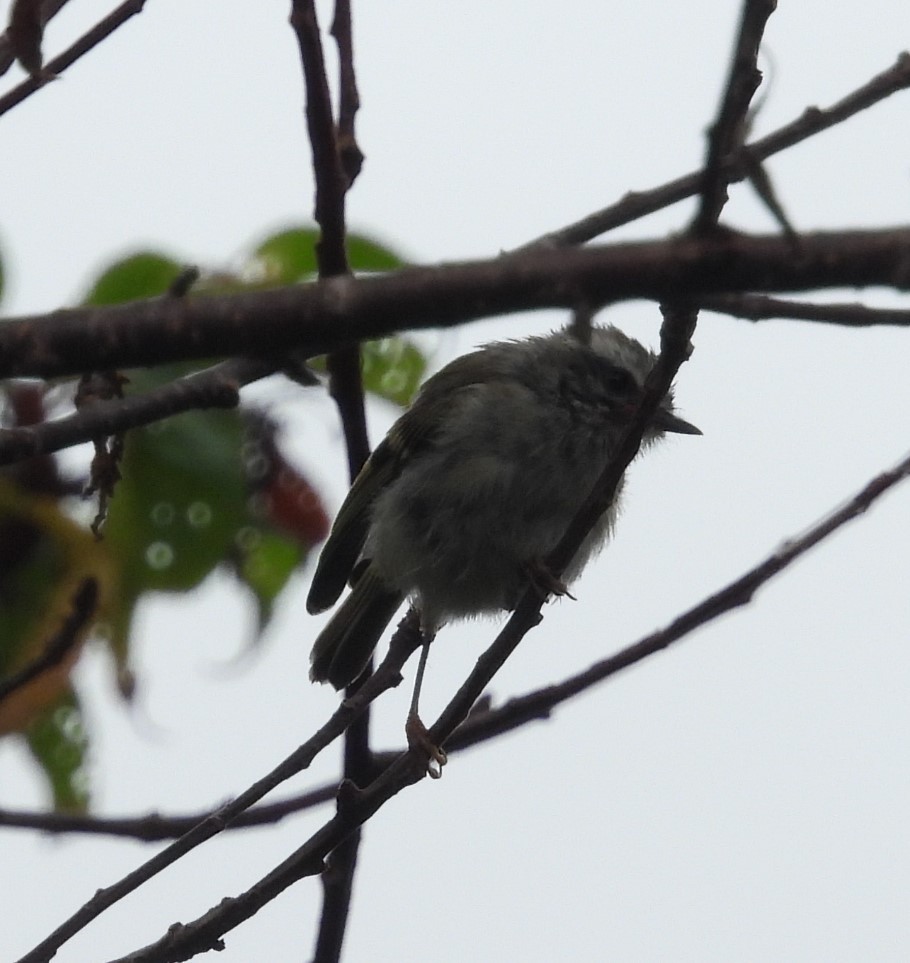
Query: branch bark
[315, 318]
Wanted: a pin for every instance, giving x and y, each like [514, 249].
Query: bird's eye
[621, 382]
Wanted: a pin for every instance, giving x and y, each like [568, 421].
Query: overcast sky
[743, 796]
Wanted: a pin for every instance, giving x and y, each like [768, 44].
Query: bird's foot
[419, 741]
[545, 582]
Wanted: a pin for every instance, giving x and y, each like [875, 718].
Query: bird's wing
[409, 435]
[413, 432]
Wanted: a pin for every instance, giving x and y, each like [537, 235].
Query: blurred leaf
[287, 257]
[286, 515]
[44, 556]
[267, 562]
[365, 254]
[177, 509]
[59, 743]
[393, 368]
[146, 274]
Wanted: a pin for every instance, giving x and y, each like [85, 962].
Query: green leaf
[175, 512]
[286, 257]
[289, 256]
[393, 368]
[267, 562]
[145, 274]
[59, 743]
[366, 254]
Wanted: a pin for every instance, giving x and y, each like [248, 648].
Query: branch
[335, 164]
[348, 97]
[49, 10]
[386, 676]
[814, 120]
[60, 644]
[332, 183]
[539, 704]
[103, 29]
[215, 387]
[154, 827]
[315, 318]
[728, 133]
[756, 307]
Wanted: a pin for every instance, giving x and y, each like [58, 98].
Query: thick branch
[317, 317]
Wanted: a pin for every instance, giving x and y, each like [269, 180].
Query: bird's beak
[667, 421]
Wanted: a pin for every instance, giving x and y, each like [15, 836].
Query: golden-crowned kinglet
[474, 486]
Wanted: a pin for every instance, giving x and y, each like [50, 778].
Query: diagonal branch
[813, 120]
[386, 676]
[88, 41]
[485, 724]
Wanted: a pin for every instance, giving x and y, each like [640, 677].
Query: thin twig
[154, 827]
[727, 134]
[88, 41]
[813, 120]
[215, 387]
[386, 676]
[757, 307]
[348, 97]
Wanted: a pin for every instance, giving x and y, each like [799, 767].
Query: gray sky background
[741, 797]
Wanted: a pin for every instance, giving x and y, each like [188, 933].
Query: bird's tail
[345, 645]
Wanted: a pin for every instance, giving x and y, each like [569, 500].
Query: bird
[472, 488]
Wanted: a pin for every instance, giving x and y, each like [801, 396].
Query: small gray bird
[475, 484]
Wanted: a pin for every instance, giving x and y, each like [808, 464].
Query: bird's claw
[545, 582]
[419, 741]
